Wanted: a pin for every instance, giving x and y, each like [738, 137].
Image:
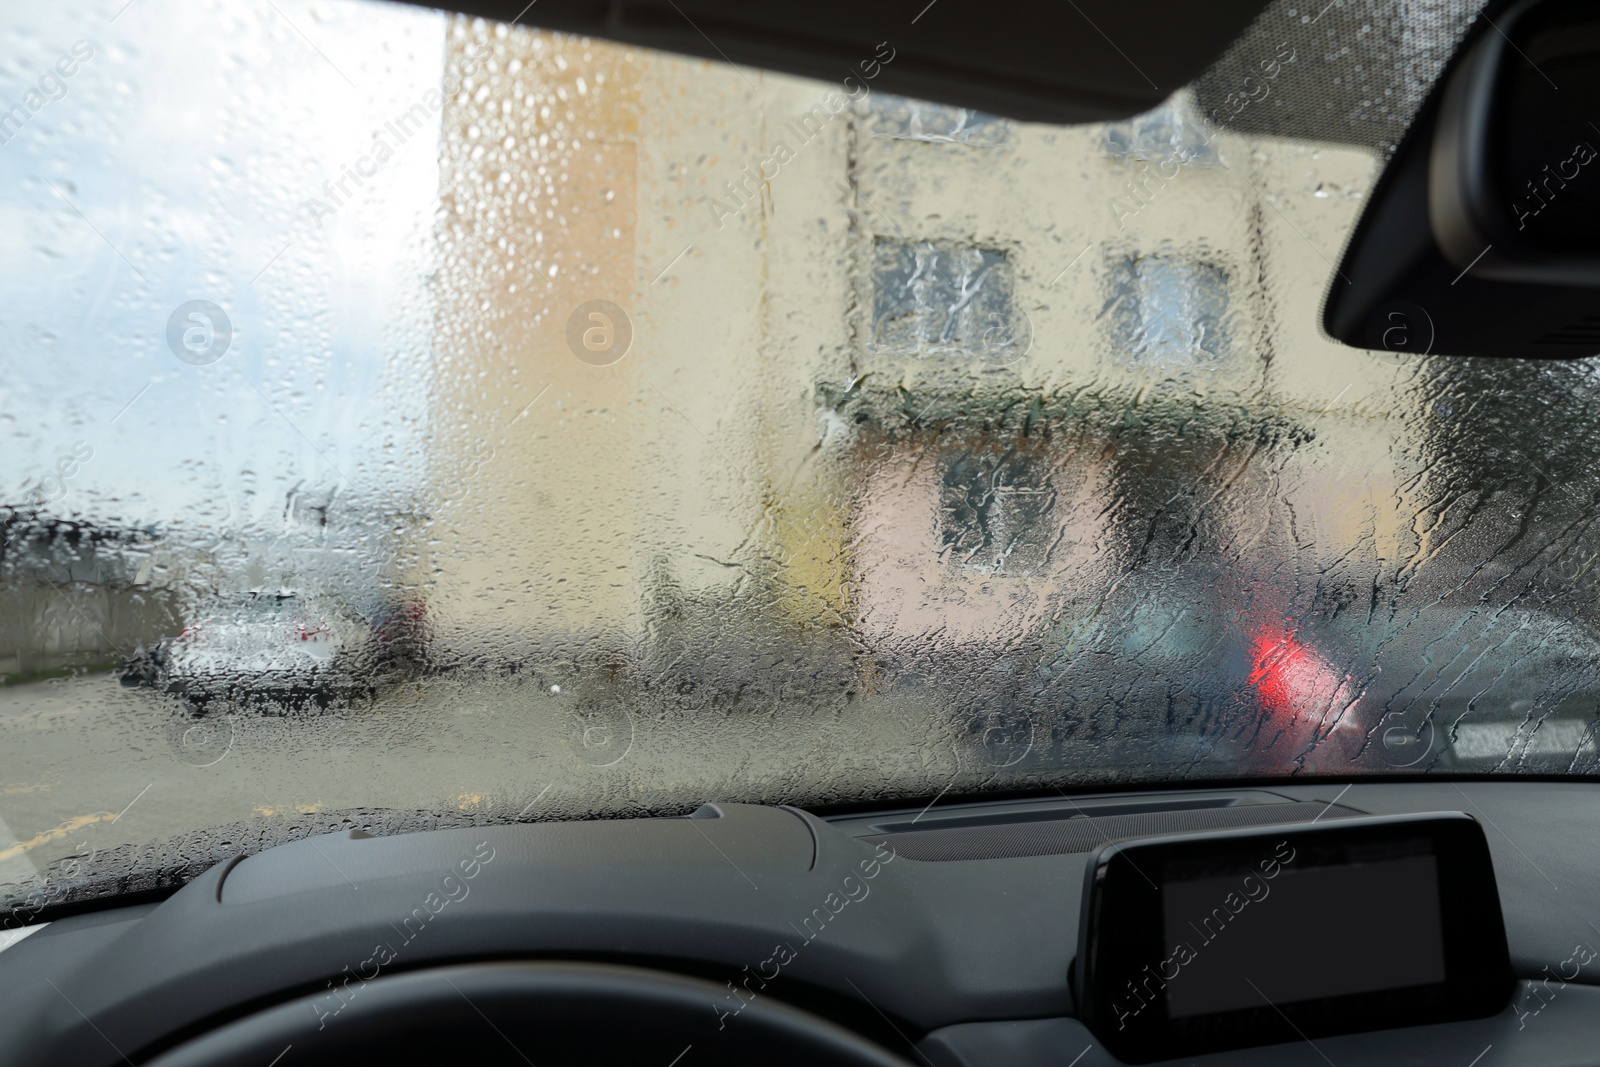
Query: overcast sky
[190, 141]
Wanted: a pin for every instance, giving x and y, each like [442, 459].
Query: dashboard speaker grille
[1085, 834]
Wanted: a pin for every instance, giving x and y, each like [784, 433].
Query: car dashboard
[944, 934]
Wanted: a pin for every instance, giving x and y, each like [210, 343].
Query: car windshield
[412, 420]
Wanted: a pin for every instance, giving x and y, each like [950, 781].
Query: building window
[996, 514]
[941, 299]
[900, 119]
[1165, 132]
[1168, 310]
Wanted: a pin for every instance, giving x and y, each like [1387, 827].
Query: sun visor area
[1083, 61]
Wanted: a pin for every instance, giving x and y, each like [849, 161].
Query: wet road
[87, 765]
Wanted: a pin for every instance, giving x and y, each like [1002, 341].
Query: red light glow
[1289, 677]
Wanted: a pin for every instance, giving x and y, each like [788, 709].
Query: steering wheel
[550, 1014]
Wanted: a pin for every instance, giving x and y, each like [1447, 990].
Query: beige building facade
[832, 300]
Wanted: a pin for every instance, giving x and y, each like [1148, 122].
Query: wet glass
[412, 420]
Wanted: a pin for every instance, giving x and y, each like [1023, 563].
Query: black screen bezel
[1123, 925]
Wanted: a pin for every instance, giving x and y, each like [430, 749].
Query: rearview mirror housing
[1514, 175]
[1482, 235]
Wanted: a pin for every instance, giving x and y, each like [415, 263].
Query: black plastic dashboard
[947, 935]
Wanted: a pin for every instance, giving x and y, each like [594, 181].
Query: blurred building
[867, 399]
[76, 595]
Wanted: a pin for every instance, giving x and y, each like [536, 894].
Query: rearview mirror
[1514, 176]
[1482, 236]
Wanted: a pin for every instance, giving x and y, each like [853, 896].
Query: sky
[176, 164]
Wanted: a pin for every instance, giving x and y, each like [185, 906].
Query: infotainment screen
[1257, 934]
[1209, 941]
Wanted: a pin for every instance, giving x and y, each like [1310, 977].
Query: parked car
[267, 652]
